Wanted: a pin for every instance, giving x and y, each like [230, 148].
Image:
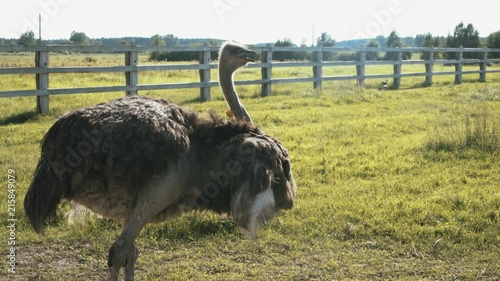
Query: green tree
[2, 42]
[79, 38]
[381, 40]
[419, 39]
[302, 55]
[27, 38]
[326, 40]
[372, 55]
[494, 42]
[122, 42]
[158, 41]
[171, 40]
[393, 41]
[465, 36]
[214, 43]
[429, 41]
[281, 56]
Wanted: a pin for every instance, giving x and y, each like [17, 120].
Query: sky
[245, 21]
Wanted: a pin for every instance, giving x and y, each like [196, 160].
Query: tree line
[463, 35]
[81, 39]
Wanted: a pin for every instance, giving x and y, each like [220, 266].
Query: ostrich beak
[248, 55]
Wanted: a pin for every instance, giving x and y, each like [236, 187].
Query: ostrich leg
[157, 195]
[131, 255]
[130, 266]
[122, 254]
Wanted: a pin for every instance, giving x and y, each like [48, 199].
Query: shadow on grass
[217, 97]
[19, 118]
[190, 228]
[191, 101]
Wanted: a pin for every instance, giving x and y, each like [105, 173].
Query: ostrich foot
[122, 255]
[130, 264]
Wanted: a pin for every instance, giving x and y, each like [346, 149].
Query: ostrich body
[143, 160]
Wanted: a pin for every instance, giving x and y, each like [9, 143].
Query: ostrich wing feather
[127, 140]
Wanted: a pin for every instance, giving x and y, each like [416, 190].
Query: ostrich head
[265, 187]
[231, 57]
[255, 181]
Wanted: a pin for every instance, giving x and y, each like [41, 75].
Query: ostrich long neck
[227, 85]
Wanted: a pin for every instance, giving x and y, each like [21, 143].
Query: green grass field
[392, 185]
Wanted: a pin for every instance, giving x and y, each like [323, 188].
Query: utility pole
[312, 39]
[40, 29]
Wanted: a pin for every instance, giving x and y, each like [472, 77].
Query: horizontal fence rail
[131, 68]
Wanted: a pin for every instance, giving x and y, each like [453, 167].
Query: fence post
[205, 73]
[360, 68]
[396, 81]
[132, 77]
[317, 57]
[429, 67]
[266, 70]
[482, 67]
[459, 66]
[42, 81]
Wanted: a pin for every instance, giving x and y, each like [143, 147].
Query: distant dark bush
[182, 56]
[345, 56]
[158, 56]
[372, 55]
[494, 42]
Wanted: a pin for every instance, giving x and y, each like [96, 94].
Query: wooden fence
[131, 69]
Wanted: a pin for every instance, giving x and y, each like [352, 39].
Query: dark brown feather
[121, 145]
[133, 133]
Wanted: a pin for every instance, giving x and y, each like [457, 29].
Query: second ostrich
[144, 160]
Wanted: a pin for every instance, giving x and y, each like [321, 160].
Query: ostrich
[144, 160]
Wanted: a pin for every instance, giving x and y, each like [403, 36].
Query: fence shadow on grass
[19, 118]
